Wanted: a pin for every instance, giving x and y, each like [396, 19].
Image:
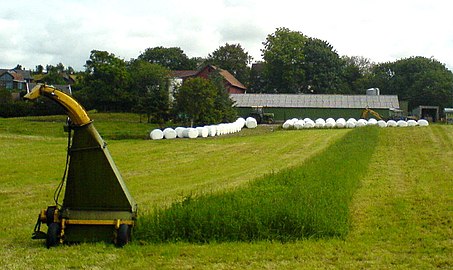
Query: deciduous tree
[105, 83]
[172, 58]
[323, 68]
[149, 85]
[418, 80]
[195, 101]
[284, 58]
[234, 58]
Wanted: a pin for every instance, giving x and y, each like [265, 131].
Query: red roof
[231, 79]
[225, 74]
[183, 73]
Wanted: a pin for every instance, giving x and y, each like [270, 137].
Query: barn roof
[17, 74]
[231, 79]
[224, 73]
[316, 101]
[183, 73]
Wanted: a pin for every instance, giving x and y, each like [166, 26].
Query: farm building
[448, 115]
[430, 113]
[232, 85]
[14, 79]
[286, 106]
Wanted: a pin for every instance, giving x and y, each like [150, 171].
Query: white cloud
[66, 31]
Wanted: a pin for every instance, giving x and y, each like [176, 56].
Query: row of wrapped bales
[307, 123]
[205, 131]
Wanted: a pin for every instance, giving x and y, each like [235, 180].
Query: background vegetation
[292, 63]
[400, 213]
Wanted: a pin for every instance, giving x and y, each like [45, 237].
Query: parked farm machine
[97, 205]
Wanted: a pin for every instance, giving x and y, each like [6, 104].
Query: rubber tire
[123, 235]
[53, 235]
[50, 215]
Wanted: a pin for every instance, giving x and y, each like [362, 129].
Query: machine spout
[75, 111]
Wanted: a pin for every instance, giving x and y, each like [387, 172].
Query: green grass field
[400, 214]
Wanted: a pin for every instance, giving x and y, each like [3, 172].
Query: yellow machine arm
[75, 111]
[367, 111]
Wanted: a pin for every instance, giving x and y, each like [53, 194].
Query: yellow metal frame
[76, 112]
[90, 222]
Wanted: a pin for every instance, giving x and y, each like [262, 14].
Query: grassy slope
[401, 213]
[306, 201]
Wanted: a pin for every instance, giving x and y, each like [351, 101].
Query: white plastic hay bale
[330, 123]
[179, 131]
[309, 123]
[235, 127]
[341, 123]
[299, 124]
[156, 134]
[320, 123]
[202, 132]
[361, 123]
[169, 133]
[306, 119]
[229, 128]
[382, 123]
[212, 130]
[401, 123]
[372, 122]
[250, 122]
[330, 119]
[423, 123]
[353, 120]
[192, 133]
[391, 123]
[412, 123]
[288, 124]
[351, 124]
[221, 129]
[241, 122]
[239, 126]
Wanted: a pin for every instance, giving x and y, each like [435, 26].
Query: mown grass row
[311, 200]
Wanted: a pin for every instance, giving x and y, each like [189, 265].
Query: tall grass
[311, 200]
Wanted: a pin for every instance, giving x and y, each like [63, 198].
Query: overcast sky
[49, 32]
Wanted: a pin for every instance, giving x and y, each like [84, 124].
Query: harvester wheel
[53, 235]
[50, 213]
[123, 235]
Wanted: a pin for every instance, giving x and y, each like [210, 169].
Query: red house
[232, 85]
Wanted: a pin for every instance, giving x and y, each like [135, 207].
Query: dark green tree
[284, 59]
[223, 104]
[39, 69]
[235, 59]
[172, 58]
[356, 71]
[202, 101]
[418, 80]
[53, 75]
[105, 83]
[323, 69]
[149, 85]
[195, 101]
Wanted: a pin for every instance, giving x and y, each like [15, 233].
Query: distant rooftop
[316, 101]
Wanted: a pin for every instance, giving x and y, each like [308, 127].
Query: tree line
[292, 63]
